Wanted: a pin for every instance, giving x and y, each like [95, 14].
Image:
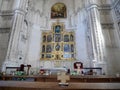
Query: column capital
[20, 6]
[92, 6]
[20, 11]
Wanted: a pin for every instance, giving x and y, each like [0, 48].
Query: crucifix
[78, 68]
[63, 78]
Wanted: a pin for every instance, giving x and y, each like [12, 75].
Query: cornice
[108, 25]
[4, 30]
[12, 12]
[20, 11]
[6, 13]
[91, 6]
[105, 7]
[102, 7]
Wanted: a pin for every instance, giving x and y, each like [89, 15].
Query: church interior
[40, 39]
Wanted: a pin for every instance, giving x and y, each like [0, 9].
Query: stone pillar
[35, 36]
[17, 25]
[0, 5]
[95, 30]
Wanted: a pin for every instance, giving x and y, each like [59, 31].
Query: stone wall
[39, 20]
[113, 51]
[4, 37]
[6, 14]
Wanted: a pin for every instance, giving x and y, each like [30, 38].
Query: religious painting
[57, 29]
[71, 37]
[72, 55]
[43, 48]
[44, 38]
[66, 38]
[49, 48]
[72, 48]
[49, 38]
[66, 48]
[57, 37]
[57, 47]
[58, 10]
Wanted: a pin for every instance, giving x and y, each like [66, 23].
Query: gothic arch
[58, 10]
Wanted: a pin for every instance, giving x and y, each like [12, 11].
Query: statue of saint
[44, 38]
[57, 47]
[57, 29]
[78, 67]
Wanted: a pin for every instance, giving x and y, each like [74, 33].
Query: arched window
[58, 10]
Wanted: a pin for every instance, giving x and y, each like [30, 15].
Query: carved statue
[78, 67]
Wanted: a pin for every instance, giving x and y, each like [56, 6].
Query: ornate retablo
[58, 43]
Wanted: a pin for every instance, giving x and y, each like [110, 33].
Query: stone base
[9, 64]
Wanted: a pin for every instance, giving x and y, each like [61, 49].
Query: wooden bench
[53, 78]
[20, 85]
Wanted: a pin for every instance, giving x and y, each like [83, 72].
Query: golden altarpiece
[58, 44]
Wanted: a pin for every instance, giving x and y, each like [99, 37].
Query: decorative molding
[20, 11]
[4, 30]
[91, 6]
[102, 7]
[105, 7]
[109, 26]
[11, 12]
[6, 13]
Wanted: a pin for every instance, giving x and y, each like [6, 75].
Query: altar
[53, 71]
[73, 78]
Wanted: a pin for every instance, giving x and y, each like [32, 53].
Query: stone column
[95, 30]
[0, 5]
[17, 25]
